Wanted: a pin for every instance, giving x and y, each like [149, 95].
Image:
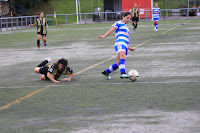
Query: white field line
[162, 82]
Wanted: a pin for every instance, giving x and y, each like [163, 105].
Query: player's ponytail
[124, 14]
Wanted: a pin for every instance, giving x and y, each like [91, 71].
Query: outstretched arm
[51, 78]
[107, 33]
[131, 48]
[33, 24]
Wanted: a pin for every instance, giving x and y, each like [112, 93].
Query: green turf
[165, 95]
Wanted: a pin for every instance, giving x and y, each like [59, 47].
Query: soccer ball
[134, 75]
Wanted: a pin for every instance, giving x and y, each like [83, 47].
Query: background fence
[13, 23]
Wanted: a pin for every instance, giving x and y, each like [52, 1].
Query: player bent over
[121, 45]
[156, 16]
[55, 70]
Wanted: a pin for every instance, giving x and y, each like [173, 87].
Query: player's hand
[30, 25]
[100, 37]
[131, 49]
[47, 27]
[68, 79]
[56, 81]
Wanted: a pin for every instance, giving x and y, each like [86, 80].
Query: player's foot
[45, 44]
[134, 29]
[124, 76]
[48, 59]
[38, 48]
[106, 75]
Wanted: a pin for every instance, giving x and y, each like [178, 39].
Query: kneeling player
[55, 70]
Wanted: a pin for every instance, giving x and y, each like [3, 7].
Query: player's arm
[49, 75]
[107, 33]
[131, 48]
[139, 14]
[46, 24]
[131, 11]
[69, 72]
[33, 24]
[70, 77]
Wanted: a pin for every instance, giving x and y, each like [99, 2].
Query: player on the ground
[55, 70]
[156, 16]
[42, 26]
[136, 16]
[121, 45]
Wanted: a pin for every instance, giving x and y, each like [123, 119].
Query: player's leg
[137, 19]
[121, 62]
[44, 40]
[42, 64]
[133, 22]
[154, 21]
[38, 40]
[43, 77]
[157, 25]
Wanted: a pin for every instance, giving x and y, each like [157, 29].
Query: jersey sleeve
[69, 71]
[46, 23]
[51, 68]
[35, 23]
[116, 25]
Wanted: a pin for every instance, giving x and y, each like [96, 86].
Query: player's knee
[36, 70]
[42, 77]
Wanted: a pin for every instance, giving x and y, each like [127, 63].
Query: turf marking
[175, 27]
[42, 89]
[25, 97]
[137, 82]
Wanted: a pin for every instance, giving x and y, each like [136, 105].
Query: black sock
[45, 41]
[133, 24]
[38, 43]
[43, 63]
[136, 25]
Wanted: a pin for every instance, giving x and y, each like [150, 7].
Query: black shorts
[44, 71]
[135, 19]
[42, 34]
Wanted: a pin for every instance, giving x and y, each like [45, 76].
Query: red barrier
[127, 5]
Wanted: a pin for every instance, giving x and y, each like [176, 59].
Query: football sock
[38, 43]
[112, 68]
[136, 25]
[156, 26]
[43, 63]
[122, 66]
[45, 42]
[133, 24]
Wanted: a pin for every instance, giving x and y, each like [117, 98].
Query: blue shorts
[120, 48]
[155, 19]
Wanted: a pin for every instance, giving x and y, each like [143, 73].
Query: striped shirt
[122, 33]
[156, 14]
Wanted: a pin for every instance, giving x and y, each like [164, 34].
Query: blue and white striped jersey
[122, 33]
[156, 14]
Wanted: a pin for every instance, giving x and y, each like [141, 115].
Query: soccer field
[165, 98]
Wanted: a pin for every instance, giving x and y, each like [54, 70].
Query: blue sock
[112, 68]
[122, 66]
[156, 26]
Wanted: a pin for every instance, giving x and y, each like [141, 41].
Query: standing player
[42, 26]
[121, 45]
[136, 14]
[156, 16]
[55, 70]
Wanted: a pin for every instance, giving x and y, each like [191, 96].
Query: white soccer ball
[134, 75]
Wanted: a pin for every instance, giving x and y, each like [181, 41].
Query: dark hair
[39, 13]
[124, 14]
[61, 61]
